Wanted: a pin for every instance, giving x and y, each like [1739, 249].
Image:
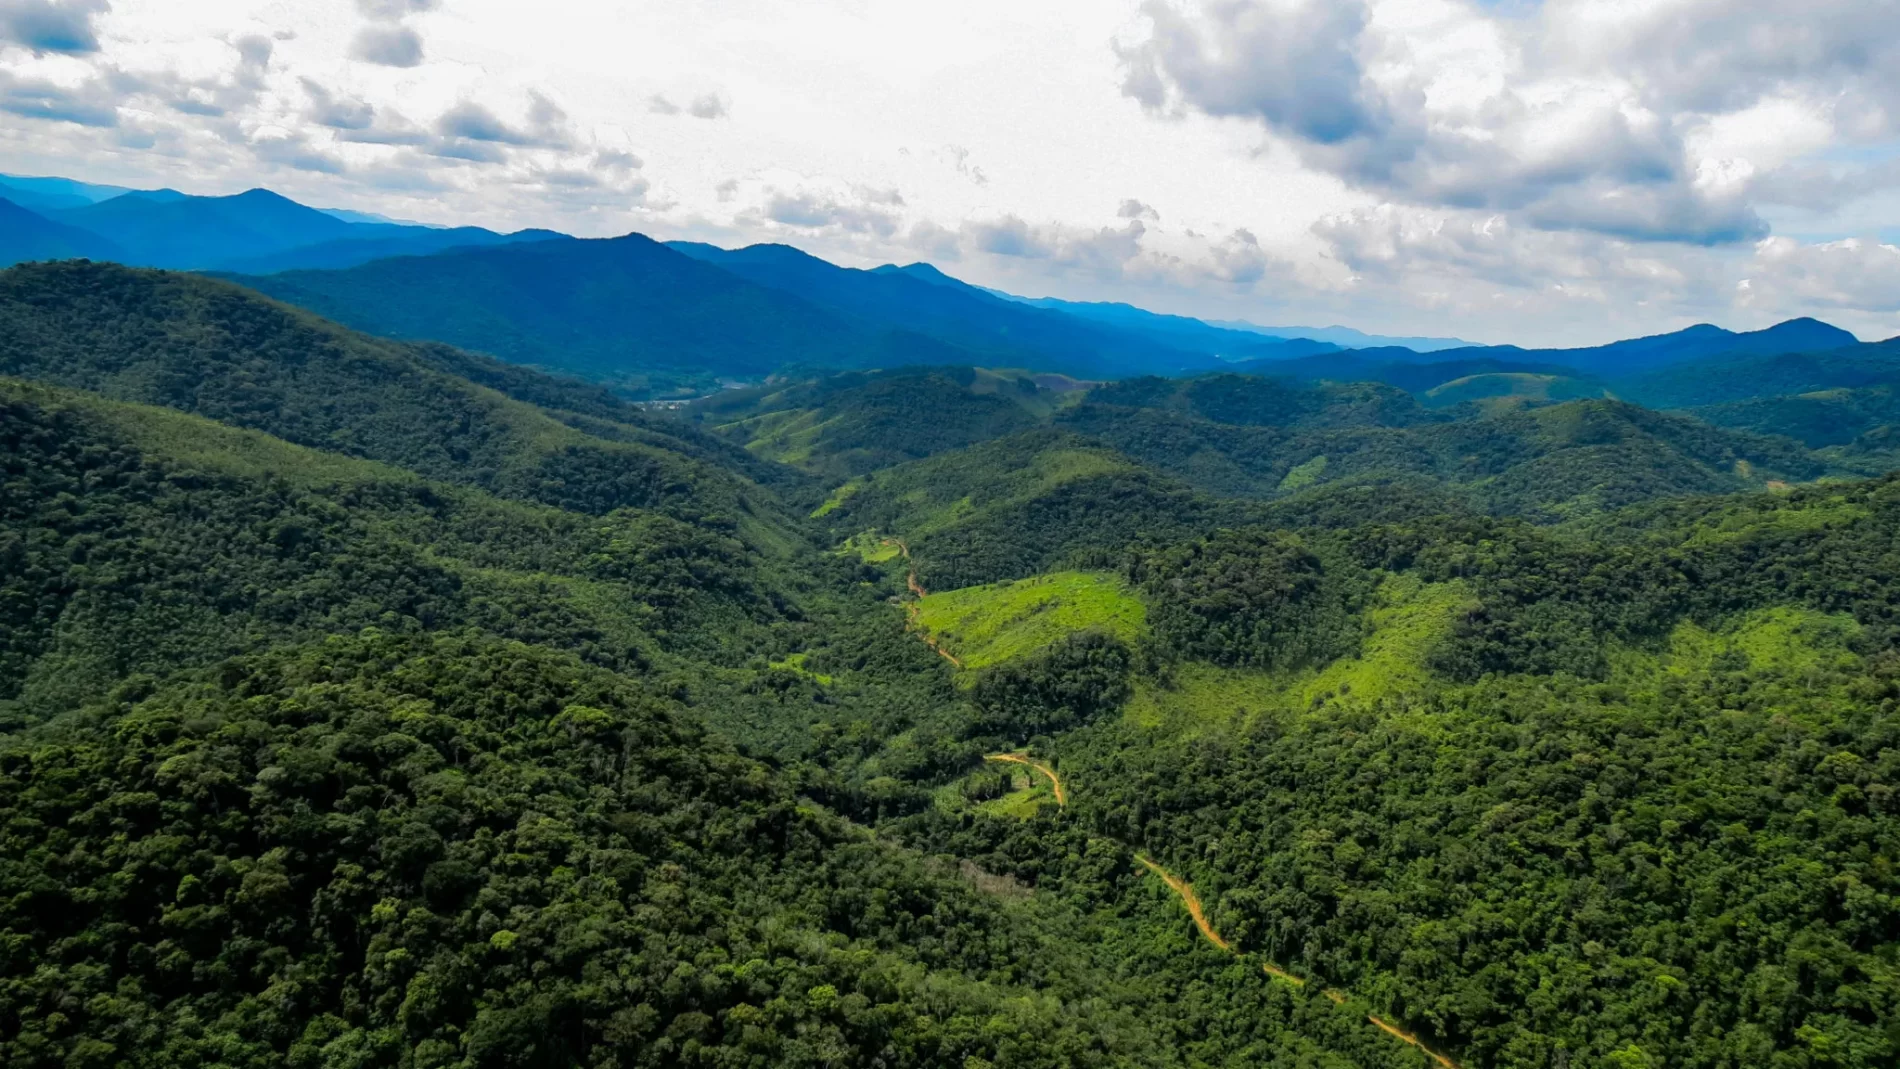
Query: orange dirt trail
[910, 616]
[1189, 899]
[1062, 796]
[1407, 1037]
[910, 579]
[1193, 903]
[910, 611]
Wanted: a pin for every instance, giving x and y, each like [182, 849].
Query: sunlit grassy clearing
[1408, 618]
[987, 625]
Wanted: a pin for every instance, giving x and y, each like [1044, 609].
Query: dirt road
[1192, 901]
[1062, 796]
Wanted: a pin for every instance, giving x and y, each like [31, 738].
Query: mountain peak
[1810, 327]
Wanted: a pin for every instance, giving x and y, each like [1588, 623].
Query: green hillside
[988, 625]
[1745, 377]
[1546, 463]
[852, 424]
[222, 352]
[1016, 507]
[1385, 754]
[1509, 444]
[462, 849]
[140, 540]
[1817, 419]
[1502, 391]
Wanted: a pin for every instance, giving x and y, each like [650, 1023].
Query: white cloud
[817, 210]
[1134, 209]
[391, 10]
[1551, 172]
[1787, 277]
[388, 46]
[51, 25]
[1652, 121]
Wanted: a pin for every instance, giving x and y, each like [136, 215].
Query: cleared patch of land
[999, 622]
[1407, 618]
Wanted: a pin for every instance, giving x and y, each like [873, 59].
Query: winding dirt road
[1189, 899]
[1192, 901]
[1062, 796]
[910, 610]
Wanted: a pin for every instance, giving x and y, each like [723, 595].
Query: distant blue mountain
[349, 215]
[997, 331]
[1703, 341]
[350, 252]
[54, 194]
[157, 230]
[832, 316]
[1186, 332]
[619, 310]
[1348, 338]
[26, 235]
[1232, 335]
[257, 232]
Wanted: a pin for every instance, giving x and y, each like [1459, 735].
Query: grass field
[1406, 620]
[987, 625]
[1783, 639]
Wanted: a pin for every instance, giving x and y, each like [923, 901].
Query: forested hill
[214, 349]
[375, 703]
[1234, 436]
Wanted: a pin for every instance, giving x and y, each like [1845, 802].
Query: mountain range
[257, 230]
[658, 320]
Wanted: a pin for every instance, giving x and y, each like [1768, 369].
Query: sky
[1544, 173]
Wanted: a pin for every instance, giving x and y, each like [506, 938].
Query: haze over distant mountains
[257, 230]
[656, 319]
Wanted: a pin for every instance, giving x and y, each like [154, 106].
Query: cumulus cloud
[92, 103]
[388, 46]
[1583, 115]
[851, 213]
[337, 113]
[391, 10]
[1133, 254]
[1134, 209]
[1239, 259]
[473, 122]
[1716, 56]
[1105, 251]
[1295, 65]
[1480, 268]
[617, 160]
[1786, 276]
[215, 97]
[703, 106]
[935, 241]
[296, 151]
[52, 25]
[471, 132]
